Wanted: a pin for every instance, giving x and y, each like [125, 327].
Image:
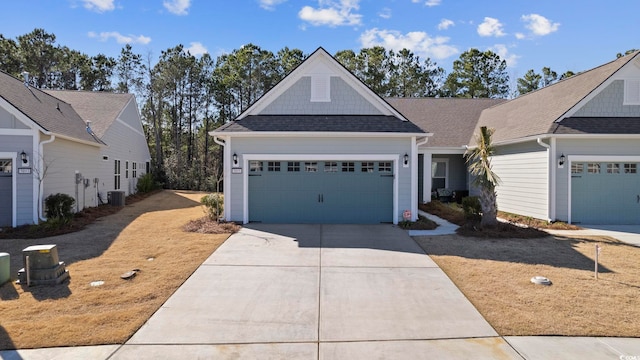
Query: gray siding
[9, 121]
[24, 182]
[345, 100]
[595, 147]
[315, 146]
[609, 103]
[524, 171]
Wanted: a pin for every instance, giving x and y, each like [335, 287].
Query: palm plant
[479, 161]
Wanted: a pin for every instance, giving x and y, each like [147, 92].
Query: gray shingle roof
[320, 123]
[451, 120]
[48, 112]
[535, 113]
[599, 125]
[101, 108]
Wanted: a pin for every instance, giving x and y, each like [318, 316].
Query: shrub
[472, 208]
[146, 183]
[58, 207]
[214, 204]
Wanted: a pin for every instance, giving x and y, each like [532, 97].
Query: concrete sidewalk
[326, 292]
[626, 233]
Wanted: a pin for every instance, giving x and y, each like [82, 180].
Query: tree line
[182, 97]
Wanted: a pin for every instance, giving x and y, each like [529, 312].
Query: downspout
[227, 200]
[414, 178]
[550, 180]
[41, 166]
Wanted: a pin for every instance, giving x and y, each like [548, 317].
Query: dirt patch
[147, 235]
[495, 274]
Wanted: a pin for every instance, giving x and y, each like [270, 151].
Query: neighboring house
[571, 151]
[114, 119]
[320, 147]
[47, 147]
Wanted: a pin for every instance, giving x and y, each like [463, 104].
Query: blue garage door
[605, 193]
[6, 192]
[321, 191]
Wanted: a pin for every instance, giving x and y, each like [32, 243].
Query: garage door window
[577, 168]
[255, 166]
[593, 168]
[293, 166]
[630, 168]
[348, 167]
[311, 166]
[368, 167]
[5, 166]
[330, 166]
[613, 168]
[384, 167]
[273, 166]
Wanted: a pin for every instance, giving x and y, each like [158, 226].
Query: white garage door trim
[317, 157]
[592, 158]
[14, 184]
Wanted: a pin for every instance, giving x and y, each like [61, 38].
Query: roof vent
[25, 76]
[89, 127]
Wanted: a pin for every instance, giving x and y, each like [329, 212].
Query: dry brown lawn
[495, 276]
[147, 236]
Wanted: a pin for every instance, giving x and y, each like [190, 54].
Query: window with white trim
[593, 168]
[273, 166]
[5, 166]
[126, 169]
[384, 166]
[439, 174]
[613, 168]
[577, 168]
[330, 166]
[348, 166]
[368, 167]
[134, 169]
[631, 92]
[293, 166]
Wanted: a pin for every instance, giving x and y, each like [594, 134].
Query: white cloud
[99, 5]
[332, 13]
[520, 36]
[539, 25]
[418, 42]
[490, 27]
[120, 39]
[196, 49]
[177, 7]
[503, 52]
[428, 3]
[385, 13]
[445, 24]
[270, 4]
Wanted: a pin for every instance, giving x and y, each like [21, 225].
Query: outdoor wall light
[235, 159]
[24, 157]
[406, 159]
[562, 159]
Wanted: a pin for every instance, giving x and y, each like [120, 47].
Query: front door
[6, 192]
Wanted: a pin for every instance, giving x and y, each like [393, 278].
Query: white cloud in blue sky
[99, 5]
[196, 49]
[177, 7]
[491, 27]
[445, 24]
[270, 4]
[539, 25]
[417, 41]
[120, 39]
[332, 13]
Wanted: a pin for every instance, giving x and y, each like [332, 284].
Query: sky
[574, 35]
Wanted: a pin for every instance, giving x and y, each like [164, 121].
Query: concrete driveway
[317, 292]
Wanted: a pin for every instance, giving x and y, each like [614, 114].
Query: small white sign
[236, 170]
[24, 170]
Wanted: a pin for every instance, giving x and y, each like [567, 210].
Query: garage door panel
[334, 192]
[605, 193]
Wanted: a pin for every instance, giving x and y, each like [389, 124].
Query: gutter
[41, 166]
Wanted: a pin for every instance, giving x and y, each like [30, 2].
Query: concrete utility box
[4, 267]
[42, 266]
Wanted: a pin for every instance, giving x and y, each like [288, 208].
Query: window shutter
[320, 88]
[632, 92]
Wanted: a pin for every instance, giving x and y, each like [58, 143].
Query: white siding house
[48, 146]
